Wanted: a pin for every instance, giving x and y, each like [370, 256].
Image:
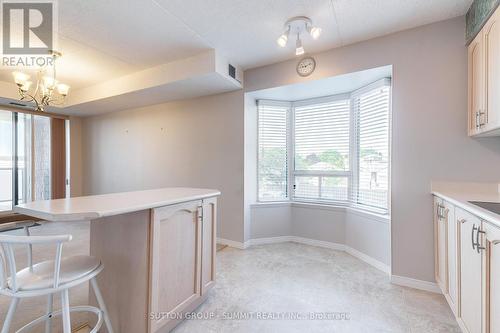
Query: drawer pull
[472, 237]
[478, 243]
[496, 242]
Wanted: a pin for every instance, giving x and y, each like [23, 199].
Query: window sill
[383, 218]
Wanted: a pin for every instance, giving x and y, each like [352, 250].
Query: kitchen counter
[460, 195]
[97, 206]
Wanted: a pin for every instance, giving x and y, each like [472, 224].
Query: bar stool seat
[49, 278]
[41, 276]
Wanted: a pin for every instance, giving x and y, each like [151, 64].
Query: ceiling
[103, 40]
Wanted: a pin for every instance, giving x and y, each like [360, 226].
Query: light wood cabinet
[446, 247]
[491, 119]
[484, 80]
[441, 245]
[209, 247]
[451, 255]
[476, 80]
[183, 249]
[491, 280]
[471, 248]
[470, 316]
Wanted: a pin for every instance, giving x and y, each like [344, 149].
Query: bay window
[333, 149]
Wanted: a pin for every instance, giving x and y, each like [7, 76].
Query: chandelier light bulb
[299, 49]
[49, 82]
[20, 78]
[25, 86]
[63, 89]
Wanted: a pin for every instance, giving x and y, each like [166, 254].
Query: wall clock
[306, 66]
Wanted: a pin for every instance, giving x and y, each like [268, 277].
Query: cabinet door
[175, 261]
[492, 72]
[492, 278]
[441, 246]
[470, 273]
[209, 236]
[477, 112]
[451, 252]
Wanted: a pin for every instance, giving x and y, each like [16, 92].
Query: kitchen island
[157, 246]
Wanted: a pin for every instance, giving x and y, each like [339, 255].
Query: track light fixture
[297, 25]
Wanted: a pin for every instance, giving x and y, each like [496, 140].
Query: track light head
[299, 49]
[315, 32]
[283, 39]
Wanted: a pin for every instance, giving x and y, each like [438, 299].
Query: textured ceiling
[105, 39]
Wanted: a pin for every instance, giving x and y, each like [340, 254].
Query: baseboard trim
[416, 284]
[231, 243]
[369, 260]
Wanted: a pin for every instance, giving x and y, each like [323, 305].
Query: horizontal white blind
[322, 136]
[272, 166]
[321, 141]
[372, 128]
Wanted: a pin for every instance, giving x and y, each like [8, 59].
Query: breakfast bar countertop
[97, 206]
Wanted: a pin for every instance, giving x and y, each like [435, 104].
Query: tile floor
[296, 280]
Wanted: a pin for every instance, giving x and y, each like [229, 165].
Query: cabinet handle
[496, 242]
[478, 243]
[472, 237]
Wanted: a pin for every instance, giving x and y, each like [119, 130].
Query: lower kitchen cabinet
[183, 243]
[452, 255]
[446, 231]
[470, 273]
[441, 245]
[492, 278]
[467, 253]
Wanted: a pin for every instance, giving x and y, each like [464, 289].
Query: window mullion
[290, 149]
[354, 181]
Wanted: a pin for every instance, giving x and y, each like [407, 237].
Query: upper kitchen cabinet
[476, 84]
[484, 80]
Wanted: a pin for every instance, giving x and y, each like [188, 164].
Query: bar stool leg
[48, 322]
[65, 311]
[10, 314]
[102, 305]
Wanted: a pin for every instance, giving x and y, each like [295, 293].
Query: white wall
[429, 125]
[197, 143]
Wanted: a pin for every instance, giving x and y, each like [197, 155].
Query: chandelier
[47, 91]
[296, 26]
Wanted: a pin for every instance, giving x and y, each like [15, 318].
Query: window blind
[321, 142]
[372, 107]
[272, 150]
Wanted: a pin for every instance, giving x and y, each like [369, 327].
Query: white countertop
[460, 195]
[96, 206]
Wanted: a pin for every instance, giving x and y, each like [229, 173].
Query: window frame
[352, 174]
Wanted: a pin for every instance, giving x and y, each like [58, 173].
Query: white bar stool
[48, 278]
